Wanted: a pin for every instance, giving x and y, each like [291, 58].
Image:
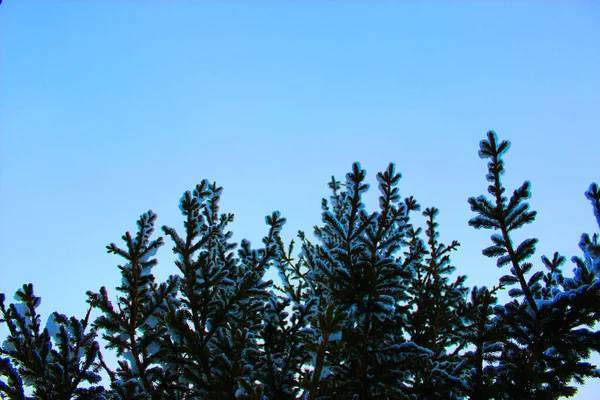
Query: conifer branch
[495, 216]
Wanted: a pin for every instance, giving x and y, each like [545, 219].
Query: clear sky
[109, 108]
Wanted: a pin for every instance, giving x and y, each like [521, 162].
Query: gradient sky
[109, 108]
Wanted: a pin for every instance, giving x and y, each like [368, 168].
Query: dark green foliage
[54, 361]
[215, 325]
[437, 321]
[484, 335]
[132, 328]
[287, 336]
[547, 329]
[369, 309]
[361, 283]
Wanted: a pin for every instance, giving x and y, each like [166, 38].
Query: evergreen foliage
[53, 361]
[548, 327]
[370, 308]
[132, 328]
[437, 320]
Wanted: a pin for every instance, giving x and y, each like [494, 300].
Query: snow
[174, 335]
[541, 302]
[325, 371]
[552, 351]
[149, 253]
[8, 346]
[153, 348]
[132, 364]
[151, 321]
[23, 311]
[146, 270]
[51, 326]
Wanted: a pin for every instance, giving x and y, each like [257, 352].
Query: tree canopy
[368, 307]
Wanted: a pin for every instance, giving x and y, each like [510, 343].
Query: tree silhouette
[368, 308]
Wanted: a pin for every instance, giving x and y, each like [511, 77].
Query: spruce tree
[437, 317]
[484, 335]
[548, 324]
[361, 283]
[287, 332]
[214, 325]
[369, 309]
[54, 362]
[133, 329]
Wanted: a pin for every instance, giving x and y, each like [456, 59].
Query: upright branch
[546, 339]
[505, 215]
[437, 321]
[131, 328]
[56, 361]
[214, 325]
[367, 311]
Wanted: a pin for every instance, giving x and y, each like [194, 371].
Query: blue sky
[111, 108]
